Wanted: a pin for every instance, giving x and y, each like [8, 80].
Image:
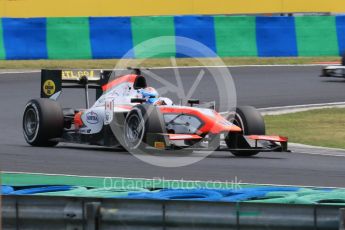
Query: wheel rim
[30, 122]
[134, 131]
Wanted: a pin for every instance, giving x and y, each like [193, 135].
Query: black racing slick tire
[252, 123]
[343, 59]
[43, 120]
[140, 122]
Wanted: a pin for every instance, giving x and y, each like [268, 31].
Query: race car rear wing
[53, 81]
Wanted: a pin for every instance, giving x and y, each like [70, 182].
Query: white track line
[240, 66]
[317, 147]
[19, 72]
[303, 106]
[317, 150]
[14, 71]
[162, 179]
[320, 154]
[297, 108]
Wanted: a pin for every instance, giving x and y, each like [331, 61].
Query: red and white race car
[122, 117]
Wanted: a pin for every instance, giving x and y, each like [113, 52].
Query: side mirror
[138, 100]
[193, 101]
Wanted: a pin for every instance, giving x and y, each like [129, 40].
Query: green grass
[111, 63]
[324, 127]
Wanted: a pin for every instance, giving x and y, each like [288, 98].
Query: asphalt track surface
[258, 86]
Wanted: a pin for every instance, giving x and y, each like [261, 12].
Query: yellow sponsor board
[76, 8]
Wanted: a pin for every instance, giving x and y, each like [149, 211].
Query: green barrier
[235, 36]
[68, 38]
[316, 36]
[325, 198]
[96, 192]
[107, 193]
[2, 49]
[284, 197]
[145, 28]
[73, 192]
[276, 197]
[26, 179]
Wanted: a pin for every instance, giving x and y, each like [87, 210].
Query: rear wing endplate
[53, 81]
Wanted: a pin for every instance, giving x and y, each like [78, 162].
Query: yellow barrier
[75, 8]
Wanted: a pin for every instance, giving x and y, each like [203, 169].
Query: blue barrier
[37, 190]
[276, 36]
[25, 38]
[179, 194]
[198, 28]
[245, 196]
[6, 190]
[211, 194]
[110, 37]
[340, 26]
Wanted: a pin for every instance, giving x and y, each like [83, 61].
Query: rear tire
[252, 123]
[43, 120]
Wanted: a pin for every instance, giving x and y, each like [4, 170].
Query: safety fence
[43, 212]
[227, 36]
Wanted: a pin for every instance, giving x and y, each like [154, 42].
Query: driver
[152, 97]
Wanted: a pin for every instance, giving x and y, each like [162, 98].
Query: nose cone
[223, 125]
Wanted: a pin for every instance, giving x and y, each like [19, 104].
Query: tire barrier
[330, 198]
[179, 194]
[233, 195]
[276, 197]
[74, 191]
[6, 190]
[227, 36]
[71, 191]
[263, 194]
[45, 189]
[107, 193]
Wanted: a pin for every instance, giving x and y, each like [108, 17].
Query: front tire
[252, 123]
[43, 120]
[134, 129]
[142, 121]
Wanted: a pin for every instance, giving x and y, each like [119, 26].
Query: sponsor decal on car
[159, 145]
[84, 131]
[49, 87]
[75, 74]
[109, 110]
[92, 118]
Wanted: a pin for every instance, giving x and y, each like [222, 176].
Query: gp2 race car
[335, 71]
[120, 117]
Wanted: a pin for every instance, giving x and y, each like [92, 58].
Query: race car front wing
[261, 143]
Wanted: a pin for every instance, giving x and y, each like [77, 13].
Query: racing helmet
[150, 94]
